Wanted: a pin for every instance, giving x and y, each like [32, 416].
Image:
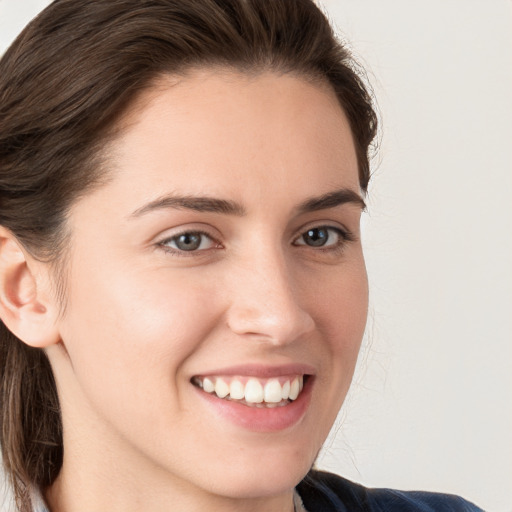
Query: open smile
[253, 391]
[259, 403]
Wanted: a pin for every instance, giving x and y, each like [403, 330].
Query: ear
[26, 306]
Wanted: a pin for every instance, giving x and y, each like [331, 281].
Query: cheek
[343, 306]
[340, 309]
[133, 330]
[343, 309]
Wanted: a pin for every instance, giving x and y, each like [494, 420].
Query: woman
[183, 290]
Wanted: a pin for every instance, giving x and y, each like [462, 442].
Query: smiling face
[219, 272]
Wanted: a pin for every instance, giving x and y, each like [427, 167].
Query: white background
[431, 406]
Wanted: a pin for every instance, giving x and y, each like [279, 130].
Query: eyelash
[345, 237]
[183, 253]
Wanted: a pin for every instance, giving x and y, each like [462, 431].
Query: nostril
[270, 324]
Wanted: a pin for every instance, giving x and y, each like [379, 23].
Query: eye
[322, 236]
[188, 241]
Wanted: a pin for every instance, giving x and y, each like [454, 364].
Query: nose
[266, 301]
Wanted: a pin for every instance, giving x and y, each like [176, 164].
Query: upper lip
[262, 370]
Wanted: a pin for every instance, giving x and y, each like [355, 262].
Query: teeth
[221, 388]
[294, 389]
[257, 393]
[272, 392]
[236, 390]
[253, 391]
[285, 393]
[208, 385]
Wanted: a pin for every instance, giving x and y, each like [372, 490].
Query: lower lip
[264, 419]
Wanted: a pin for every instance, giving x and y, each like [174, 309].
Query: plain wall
[431, 406]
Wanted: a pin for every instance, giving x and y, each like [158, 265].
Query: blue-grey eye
[320, 237]
[189, 241]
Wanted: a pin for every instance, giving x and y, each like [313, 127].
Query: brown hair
[63, 84]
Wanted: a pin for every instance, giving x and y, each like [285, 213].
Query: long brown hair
[64, 82]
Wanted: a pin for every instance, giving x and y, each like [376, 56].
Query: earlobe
[26, 307]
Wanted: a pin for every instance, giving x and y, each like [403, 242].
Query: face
[217, 293]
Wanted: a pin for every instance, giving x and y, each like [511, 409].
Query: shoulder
[326, 492]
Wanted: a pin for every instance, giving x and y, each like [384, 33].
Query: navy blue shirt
[326, 492]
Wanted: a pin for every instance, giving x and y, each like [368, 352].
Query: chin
[267, 474]
[253, 484]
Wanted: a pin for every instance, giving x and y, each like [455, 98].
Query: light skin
[144, 317]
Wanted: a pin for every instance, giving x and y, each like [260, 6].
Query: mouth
[252, 391]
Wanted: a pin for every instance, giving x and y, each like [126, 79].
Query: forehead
[220, 132]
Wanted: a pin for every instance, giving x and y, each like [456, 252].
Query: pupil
[188, 241]
[316, 237]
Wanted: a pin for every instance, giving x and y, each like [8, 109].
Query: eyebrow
[331, 200]
[228, 207]
[198, 204]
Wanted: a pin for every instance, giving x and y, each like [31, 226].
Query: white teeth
[294, 389]
[257, 393]
[285, 393]
[254, 391]
[272, 391]
[236, 390]
[208, 385]
[221, 388]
